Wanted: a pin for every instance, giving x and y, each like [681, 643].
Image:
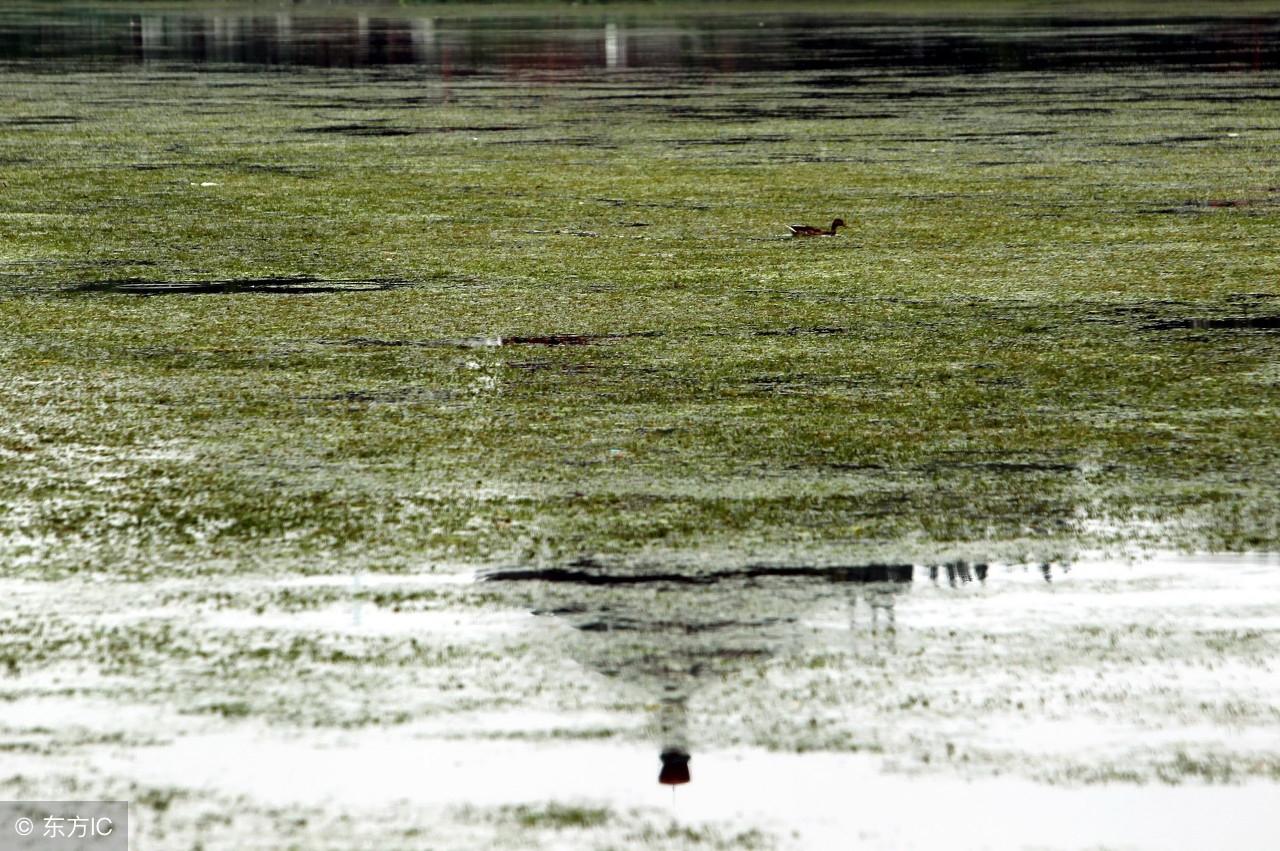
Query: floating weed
[557, 816]
[701, 837]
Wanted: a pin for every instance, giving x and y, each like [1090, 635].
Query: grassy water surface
[511, 302]
[398, 292]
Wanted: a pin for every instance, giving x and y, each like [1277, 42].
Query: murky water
[561, 46]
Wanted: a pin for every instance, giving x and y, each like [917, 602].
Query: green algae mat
[467, 285]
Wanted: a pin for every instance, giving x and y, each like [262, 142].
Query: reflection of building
[668, 634]
[959, 573]
[673, 732]
[962, 572]
[554, 44]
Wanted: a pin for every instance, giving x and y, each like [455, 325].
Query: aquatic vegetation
[301, 324]
[1012, 338]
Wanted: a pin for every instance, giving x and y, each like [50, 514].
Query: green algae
[1001, 352]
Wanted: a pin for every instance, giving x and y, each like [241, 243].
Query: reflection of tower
[669, 634]
[153, 37]
[226, 35]
[673, 726]
[615, 47]
[284, 42]
[666, 641]
[362, 40]
[422, 35]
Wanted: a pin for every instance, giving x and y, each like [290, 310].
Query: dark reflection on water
[670, 634]
[725, 43]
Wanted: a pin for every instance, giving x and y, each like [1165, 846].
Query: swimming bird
[810, 230]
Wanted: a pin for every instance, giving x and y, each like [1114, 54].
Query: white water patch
[360, 618]
[821, 801]
[118, 599]
[1163, 695]
[454, 576]
[527, 724]
[91, 714]
[1082, 736]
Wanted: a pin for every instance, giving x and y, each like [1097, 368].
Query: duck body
[810, 230]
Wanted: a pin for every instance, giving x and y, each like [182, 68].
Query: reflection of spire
[669, 632]
[675, 767]
[673, 721]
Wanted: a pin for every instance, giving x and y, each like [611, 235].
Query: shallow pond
[420, 431]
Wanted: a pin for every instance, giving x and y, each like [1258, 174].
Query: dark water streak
[555, 47]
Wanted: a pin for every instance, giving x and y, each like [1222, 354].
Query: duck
[810, 230]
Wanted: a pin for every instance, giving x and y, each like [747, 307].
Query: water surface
[692, 42]
[355, 276]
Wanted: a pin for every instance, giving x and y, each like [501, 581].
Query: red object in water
[675, 768]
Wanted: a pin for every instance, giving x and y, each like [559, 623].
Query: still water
[961, 703]
[691, 42]
[1047, 706]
